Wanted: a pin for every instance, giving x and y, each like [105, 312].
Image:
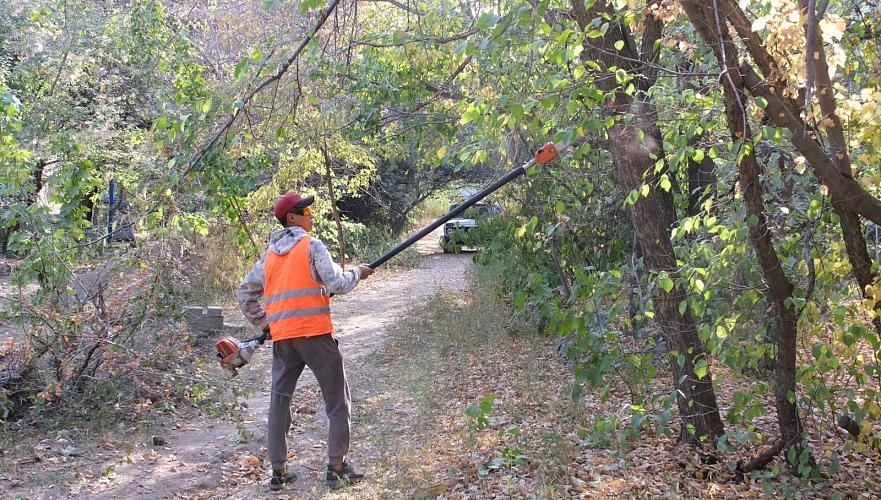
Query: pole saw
[234, 354]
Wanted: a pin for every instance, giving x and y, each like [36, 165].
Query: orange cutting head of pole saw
[547, 153]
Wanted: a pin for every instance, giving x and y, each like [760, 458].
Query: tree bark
[855, 242]
[333, 209]
[712, 28]
[701, 176]
[654, 214]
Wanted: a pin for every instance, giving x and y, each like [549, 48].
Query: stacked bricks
[204, 319]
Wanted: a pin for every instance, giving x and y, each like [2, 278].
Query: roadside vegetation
[710, 241]
[465, 400]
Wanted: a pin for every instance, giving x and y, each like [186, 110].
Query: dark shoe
[346, 476]
[280, 478]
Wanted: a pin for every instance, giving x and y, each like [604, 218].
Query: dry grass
[445, 357]
[415, 440]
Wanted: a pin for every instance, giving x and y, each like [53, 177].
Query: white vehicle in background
[454, 229]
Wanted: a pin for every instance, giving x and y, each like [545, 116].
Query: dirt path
[219, 458]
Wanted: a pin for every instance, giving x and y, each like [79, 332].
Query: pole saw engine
[234, 354]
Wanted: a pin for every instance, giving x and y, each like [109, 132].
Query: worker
[296, 277]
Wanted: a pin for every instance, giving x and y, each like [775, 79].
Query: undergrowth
[466, 389]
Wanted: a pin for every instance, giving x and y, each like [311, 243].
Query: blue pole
[110, 213]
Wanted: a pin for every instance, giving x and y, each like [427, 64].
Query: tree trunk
[701, 175]
[652, 215]
[716, 35]
[333, 209]
[30, 199]
[787, 115]
[697, 404]
[858, 253]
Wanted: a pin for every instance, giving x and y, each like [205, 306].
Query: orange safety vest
[296, 304]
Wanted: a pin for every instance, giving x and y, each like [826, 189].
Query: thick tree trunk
[652, 215]
[715, 33]
[697, 399]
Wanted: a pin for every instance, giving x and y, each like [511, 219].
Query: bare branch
[825, 94]
[399, 5]
[429, 39]
[281, 71]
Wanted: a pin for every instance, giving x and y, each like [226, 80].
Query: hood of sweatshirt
[282, 240]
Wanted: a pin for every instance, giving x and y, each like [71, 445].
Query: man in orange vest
[296, 277]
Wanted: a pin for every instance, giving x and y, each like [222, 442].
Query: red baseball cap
[288, 202]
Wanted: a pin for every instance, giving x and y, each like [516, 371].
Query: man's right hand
[365, 271]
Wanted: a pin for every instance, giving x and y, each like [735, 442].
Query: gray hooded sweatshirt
[324, 271]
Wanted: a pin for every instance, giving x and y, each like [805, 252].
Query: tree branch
[843, 188]
[399, 5]
[247, 100]
[831, 122]
[430, 39]
[444, 85]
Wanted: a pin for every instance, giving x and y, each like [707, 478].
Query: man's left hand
[365, 271]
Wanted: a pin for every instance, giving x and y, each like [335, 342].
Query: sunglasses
[306, 212]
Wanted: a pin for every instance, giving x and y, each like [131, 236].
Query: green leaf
[241, 67]
[632, 198]
[665, 183]
[560, 207]
[619, 44]
[701, 368]
[666, 283]
[469, 116]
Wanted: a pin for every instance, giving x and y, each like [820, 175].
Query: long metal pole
[513, 174]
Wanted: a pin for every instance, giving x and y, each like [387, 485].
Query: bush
[107, 338]
[217, 264]
[432, 208]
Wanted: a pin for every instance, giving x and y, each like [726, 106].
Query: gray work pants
[321, 354]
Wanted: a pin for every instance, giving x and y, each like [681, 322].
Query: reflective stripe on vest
[296, 304]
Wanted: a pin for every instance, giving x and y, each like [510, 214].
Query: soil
[226, 457]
